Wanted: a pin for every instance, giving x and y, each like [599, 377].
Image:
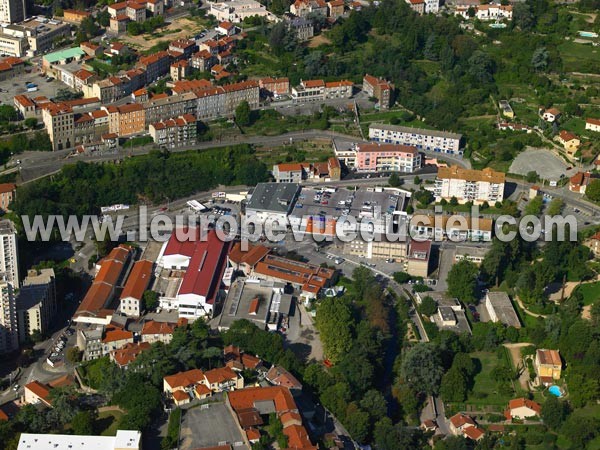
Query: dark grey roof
[274, 197]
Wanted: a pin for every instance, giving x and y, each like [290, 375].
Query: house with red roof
[592, 124]
[197, 383]
[522, 408]
[154, 331]
[138, 281]
[279, 376]
[127, 354]
[569, 141]
[463, 425]
[246, 260]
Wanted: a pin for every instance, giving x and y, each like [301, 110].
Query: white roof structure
[125, 439]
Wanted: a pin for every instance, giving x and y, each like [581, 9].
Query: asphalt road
[35, 165]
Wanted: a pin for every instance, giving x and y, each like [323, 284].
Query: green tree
[334, 322]
[150, 300]
[395, 180]
[401, 277]
[31, 122]
[454, 386]
[83, 423]
[74, 355]
[534, 206]
[554, 412]
[593, 190]
[243, 114]
[422, 368]
[532, 176]
[555, 207]
[462, 281]
[428, 306]
[8, 113]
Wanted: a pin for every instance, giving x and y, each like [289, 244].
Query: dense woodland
[82, 188]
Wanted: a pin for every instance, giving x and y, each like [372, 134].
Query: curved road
[36, 165]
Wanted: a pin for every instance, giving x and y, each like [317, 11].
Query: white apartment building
[9, 262]
[9, 337]
[432, 6]
[430, 140]
[468, 185]
[124, 439]
[12, 11]
[235, 11]
[36, 303]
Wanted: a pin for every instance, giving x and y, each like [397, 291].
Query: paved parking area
[16, 86]
[543, 161]
[210, 425]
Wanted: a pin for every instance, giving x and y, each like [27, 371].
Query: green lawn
[579, 57]
[590, 292]
[575, 125]
[485, 390]
[108, 422]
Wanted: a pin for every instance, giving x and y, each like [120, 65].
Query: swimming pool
[588, 34]
[497, 25]
[555, 390]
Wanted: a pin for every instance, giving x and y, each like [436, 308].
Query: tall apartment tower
[9, 337]
[9, 263]
[12, 11]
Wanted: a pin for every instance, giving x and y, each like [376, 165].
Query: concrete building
[379, 88]
[470, 253]
[500, 309]
[11, 67]
[75, 16]
[126, 120]
[36, 303]
[417, 6]
[175, 132]
[12, 11]
[303, 8]
[319, 90]
[457, 228]
[7, 195]
[9, 254]
[124, 440]
[419, 255]
[378, 249]
[9, 337]
[288, 173]
[15, 46]
[274, 86]
[155, 65]
[41, 33]
[377, 157]
[59, 122]
[430, 140]
[302, 28]
[263, 303]
[235, 11]
[467, 185]
[275, 200]
[131, 299]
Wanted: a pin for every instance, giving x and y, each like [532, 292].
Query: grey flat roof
[238, 300]
[447, 313]
[471, 250]
[504, 309]
[274, 197]
[412, 130]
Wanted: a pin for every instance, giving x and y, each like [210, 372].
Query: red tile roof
[298, 438]
[251, 257]
[246, 398]
[184, 379]
[153, 327]
[474, 433]
[593, 121]
[138, 280]
[524, 402]
[7, 187]
[220, 375]
[116, 334]
[205, 269]
[129, 352]
[39, 389]
[458, 420]
[281, 377]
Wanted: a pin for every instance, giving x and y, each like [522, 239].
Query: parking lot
[56, 353]
[16, 86]
[543, 161]
[209, 425]
[339, 202]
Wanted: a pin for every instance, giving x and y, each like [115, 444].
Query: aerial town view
[299, 224]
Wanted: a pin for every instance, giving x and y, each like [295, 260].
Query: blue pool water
[555, 390]
[588, 34]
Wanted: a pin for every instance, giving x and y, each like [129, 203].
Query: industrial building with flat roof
[261, 302]
[272, 200]
[500, 309]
